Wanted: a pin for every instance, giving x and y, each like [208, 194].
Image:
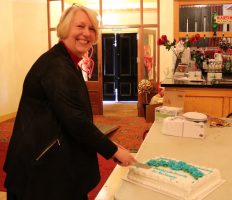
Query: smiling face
[81, 35]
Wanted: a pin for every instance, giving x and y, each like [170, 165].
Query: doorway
[119, 61]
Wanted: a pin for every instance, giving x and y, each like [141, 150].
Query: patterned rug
[6, 128]
[129, 134]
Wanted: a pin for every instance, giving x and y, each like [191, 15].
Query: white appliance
[193, 129]
[182, 127]
[172, 126]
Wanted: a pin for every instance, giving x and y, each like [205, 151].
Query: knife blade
[142, 165]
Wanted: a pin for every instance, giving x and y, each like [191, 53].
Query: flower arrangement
[178, 48]
[145, 87]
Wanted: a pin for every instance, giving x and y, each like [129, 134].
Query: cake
[176, 178]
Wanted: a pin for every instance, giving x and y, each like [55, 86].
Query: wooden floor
[2, 196]
[120, 108]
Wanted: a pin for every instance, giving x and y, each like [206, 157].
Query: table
[213, 151]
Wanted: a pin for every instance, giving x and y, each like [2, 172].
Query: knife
[142, 165]
[137, 164]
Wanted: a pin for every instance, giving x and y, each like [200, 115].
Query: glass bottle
[227, 66]
[230, 63]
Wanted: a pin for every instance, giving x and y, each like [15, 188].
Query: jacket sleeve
[68, 96]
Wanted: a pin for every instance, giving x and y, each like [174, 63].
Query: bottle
[231, 63]
[227, 66]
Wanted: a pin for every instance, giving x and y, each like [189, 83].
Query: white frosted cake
[176, 178]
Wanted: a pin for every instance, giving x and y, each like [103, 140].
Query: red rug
[129, 134]
[6, 128]
[3, 149]
[106, 167]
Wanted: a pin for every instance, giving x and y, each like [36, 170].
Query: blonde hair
[67, 16]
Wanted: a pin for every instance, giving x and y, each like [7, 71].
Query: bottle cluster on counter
[206, 66]
[212, 61]
[223, 64]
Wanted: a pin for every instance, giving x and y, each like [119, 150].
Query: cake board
[136, 191]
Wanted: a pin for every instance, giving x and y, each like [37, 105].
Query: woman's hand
[123, 156]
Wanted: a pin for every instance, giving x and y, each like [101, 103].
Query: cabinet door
[230, 105]
[209, 105]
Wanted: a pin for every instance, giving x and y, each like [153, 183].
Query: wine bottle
[227, 65]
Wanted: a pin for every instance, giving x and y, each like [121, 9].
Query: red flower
[164, 38]
[185, 43]
[160, 41]
[197, 36]
[193, 40]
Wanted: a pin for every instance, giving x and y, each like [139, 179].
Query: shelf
[206, 34]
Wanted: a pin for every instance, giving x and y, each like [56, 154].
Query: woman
[53, 150]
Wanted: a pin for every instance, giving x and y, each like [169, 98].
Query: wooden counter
[214, 151]
[213, 100]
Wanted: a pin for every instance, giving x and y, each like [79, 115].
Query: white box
[162, 112]
[172, 126]
[195, 75]
[178, 126]
[193, 129]
[212, 75]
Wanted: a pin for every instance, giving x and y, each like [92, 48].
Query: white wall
[7, 57]
[23, 39]
[166, 28]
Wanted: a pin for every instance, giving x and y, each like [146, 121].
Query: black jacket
[52, 153]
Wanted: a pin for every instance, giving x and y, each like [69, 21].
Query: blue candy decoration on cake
[176, 165]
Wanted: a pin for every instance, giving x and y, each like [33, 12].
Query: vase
[178, 61]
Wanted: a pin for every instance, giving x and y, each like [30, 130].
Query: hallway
[123, 108]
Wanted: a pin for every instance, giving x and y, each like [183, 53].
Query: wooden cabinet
[230, 105]
[211, 101]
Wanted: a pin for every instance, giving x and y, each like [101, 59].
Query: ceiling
[94, 1]
[89, 2]
[114, 4]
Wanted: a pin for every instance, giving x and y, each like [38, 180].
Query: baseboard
[8, 116]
